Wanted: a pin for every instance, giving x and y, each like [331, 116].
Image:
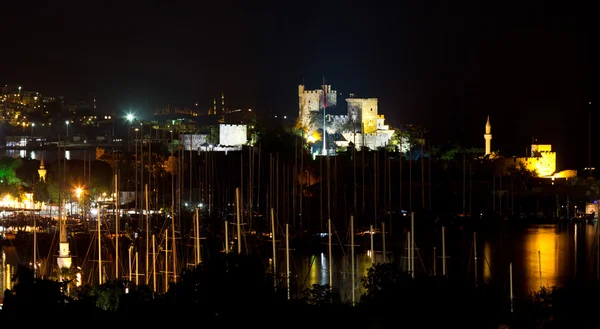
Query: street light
[32, 125]
[129, 117]
[78, 193]
[67, 123]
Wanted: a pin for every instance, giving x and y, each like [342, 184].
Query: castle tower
[42, 170]
[488, 137]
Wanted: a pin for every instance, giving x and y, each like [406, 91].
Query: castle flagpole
[324, 118]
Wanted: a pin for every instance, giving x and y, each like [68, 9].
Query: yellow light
[78, 192]
[313, 137]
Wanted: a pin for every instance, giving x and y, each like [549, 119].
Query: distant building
[361, 126]
[194, 141]
[233, 135]
[541, 161]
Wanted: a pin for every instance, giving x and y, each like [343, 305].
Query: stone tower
[42, 170]
[488, 137]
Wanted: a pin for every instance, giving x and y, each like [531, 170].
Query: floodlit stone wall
[233, 135]
[313, 101]
[196, 141]
[365, 112]
[371, 141]
[542, 162]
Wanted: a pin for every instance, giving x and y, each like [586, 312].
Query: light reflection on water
[557, 245]
[541, 258]
[51, 155]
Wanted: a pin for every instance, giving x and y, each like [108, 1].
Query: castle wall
[537, 148]
[371, 141]
[543, 165]
[233, 135]
[336, 123]
[313, 101]
[196, 142]
[364, 111]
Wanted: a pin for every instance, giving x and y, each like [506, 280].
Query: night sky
[440, 64]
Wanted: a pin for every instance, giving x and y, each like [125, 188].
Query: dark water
[566, 251]
[52, 154]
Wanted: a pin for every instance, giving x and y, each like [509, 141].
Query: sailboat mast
[410, 179]
[325, 148]
[328, 188]
[197, 239]
[116, 227]
[273, 238]
[258, 180]
[294, 181]
[287, 258]
[443, 251]
[249, 188]
[238, 217]
[130, 251]
[412, 244]
[241, 192]
[191, 172]
[137, 269]
[34, 246]
[167, 260]
[401, 160]
[423, 172]
[150, 170]
[301, 181]
[362, 158]
[389, 188]
[147, 235]
[153, 263]
[330, 255]
[375, 188]
[383, 237]
[352, 259]
[173, 170]
[354, 171]
[590, 135]
[371, 233]
[429, 176]
[99, 246]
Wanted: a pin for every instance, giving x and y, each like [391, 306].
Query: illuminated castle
[541, 161]
[313, 101]
[363, 125]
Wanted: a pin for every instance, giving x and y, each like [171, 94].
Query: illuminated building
[541, 161]
[42, 170]
[362, 125]
[488, 137]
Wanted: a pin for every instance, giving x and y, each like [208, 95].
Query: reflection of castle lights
[544, 240]
[487, 254]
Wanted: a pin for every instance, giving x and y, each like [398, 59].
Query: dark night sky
[441, 64]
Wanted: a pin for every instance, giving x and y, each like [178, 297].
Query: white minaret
[488, 137]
